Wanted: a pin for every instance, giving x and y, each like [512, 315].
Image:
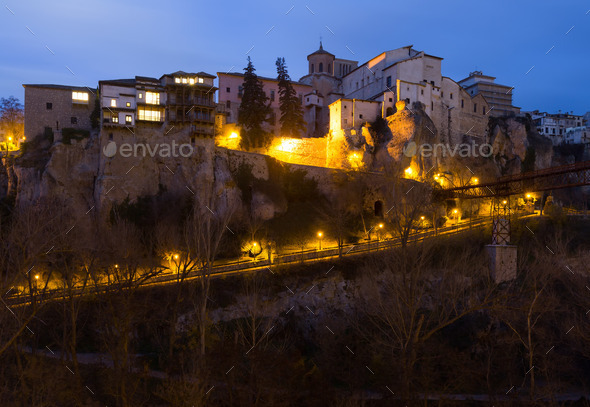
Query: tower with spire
[321, 61]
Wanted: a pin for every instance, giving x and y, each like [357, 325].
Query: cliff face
[511, 138]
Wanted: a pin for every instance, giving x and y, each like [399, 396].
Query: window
[80, 96]
[462, 103]
[421, 91]
[151, 115]
[553, 130]
[200, 80]
[191, 81]
[321, 67]
[184, 80]
[360, 116]
[228, 90]
[432, 106]
[546, 129]
[176, 80]
[74, 120]
[152, 98]
[475, 108]
[115, 119]
[240, 91]
[451, 95]
[113, 102]
[128, 104]
[483, 110]
[329, 68]
[312, 68]
[560, 132]
[272, 96]
[140, 96]
[442, 94]
[389, 81]
[228, 104]
[49, 106]
[128, 119]
[110, 136]
[357, 85]
[308, 99]
[432, 83]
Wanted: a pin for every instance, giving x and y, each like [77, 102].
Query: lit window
[152, 98]
[115, 119]
[113, 103]
[184, 80]
[176, 80]
[140, 96]
[149, 114]
[128, 104]
[80, 96]
[200, 80]
[191, 81]
[128, 119]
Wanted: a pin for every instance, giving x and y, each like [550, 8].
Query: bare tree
[419, 292]
[205, 229]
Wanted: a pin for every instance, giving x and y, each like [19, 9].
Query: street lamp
[320, 235]
[456, 213]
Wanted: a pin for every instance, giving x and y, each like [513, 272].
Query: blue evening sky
[110, 39]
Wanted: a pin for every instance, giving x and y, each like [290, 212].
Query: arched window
[312, 68]
[379, 209]
[321, 67]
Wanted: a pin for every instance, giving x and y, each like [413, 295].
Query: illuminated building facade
[179, 99]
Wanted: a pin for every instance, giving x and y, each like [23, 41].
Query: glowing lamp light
[475, 180]
[455, 211]
[175, 256]
[9, 138]
[36, 276]
[254, 244]
[116, 266]
[287, 145]
[528, 195]
[381, 226]
[408, 171]
[355, 160]
[504, 202]
[320, 234]
[422, 217]
[233, 135]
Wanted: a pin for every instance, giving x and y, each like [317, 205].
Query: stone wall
[305, 151]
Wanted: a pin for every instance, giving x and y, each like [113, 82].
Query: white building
[414, 76]
[577, 135]
[554, 126]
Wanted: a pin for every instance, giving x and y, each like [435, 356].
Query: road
[223, 268]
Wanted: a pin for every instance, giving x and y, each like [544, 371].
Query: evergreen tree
[292, 123]
[253, 110]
